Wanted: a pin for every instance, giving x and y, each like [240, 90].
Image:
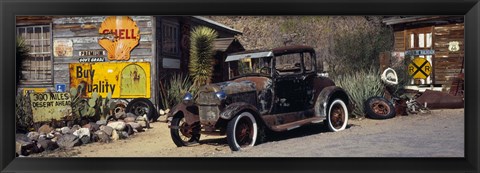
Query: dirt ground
[439, 134]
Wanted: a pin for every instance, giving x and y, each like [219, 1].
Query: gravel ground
[439, 134]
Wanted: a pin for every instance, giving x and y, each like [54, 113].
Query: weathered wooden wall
[448, 64]
[399, 44]
[83, 32]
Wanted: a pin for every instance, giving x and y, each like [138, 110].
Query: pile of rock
[47, 138]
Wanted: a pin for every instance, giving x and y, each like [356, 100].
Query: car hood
[230, 87]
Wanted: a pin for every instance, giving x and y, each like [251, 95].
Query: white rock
[117, 125]
[143, 124]
[82, 132]
[115, 135]
[65, 130]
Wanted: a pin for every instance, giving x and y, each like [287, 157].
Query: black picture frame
[10, 8]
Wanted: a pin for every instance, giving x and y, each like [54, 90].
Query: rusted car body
[277, 89]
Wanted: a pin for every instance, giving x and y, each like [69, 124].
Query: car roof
[269, 53]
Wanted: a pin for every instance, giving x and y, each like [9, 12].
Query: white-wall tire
[242, 131]
[337, 117]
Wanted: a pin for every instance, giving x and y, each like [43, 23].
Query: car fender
[326, 96]
[190, 112]
[235, 108]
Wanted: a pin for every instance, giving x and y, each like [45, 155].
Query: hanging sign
[121, 35]
[122, 79]
[420, 68]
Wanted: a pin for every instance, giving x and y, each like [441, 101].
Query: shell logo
[120, 36]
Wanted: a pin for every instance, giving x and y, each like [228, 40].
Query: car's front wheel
[337, 116]
[182, 133]
[242, 131]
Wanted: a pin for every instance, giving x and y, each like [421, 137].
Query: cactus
[96, 107]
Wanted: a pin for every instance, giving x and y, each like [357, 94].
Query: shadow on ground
[306, 130]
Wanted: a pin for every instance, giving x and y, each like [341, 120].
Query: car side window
[288, 64]
[308, 61]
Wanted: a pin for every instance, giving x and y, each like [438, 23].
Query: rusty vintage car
[275, 90]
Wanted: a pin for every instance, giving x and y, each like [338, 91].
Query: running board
[296, 124]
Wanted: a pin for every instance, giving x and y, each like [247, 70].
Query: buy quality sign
[122, 79]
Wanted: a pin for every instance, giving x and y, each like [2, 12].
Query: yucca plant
[361, 86]
[201, 55]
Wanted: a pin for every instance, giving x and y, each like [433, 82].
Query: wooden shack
[438, 39]
[68, 50]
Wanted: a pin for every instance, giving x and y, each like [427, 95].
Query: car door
[289, 87]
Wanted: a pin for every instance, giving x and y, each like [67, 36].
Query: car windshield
[250, 66]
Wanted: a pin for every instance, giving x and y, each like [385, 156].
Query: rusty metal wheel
[337, 117]
[182, 133]
[242, 131]
[379, 108]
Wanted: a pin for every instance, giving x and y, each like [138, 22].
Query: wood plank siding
[83, 33]
[448, 64]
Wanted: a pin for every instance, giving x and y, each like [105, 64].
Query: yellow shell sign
[122, 79]
[420, 68]
[121, 35]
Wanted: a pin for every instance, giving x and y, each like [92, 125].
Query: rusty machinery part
[337, 117]
[414, 107]
[379, 108]
[183, 134]
[242, 131]
[141, 107]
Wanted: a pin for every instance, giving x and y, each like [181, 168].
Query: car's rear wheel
[242, 131]
[337, 117]
[182, 133]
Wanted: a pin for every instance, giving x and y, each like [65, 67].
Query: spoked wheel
[242, 131]
[141, 107]
[337, 117]
[184, 134]
[379, 108]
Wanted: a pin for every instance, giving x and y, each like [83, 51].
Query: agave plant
[201, 54]
[361, 86]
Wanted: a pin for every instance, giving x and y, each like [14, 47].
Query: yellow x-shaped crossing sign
[420, 68]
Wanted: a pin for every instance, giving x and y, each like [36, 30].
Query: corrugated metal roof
[222, 44]
[248, 55]
[411, 19]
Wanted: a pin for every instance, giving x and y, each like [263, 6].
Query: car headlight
[188, 97]
[221, 95]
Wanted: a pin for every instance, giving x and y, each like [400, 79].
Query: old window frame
[170, 31]
[38, 68]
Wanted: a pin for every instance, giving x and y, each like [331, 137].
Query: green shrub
[361, 86]
[23, 112]
[22, 53]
